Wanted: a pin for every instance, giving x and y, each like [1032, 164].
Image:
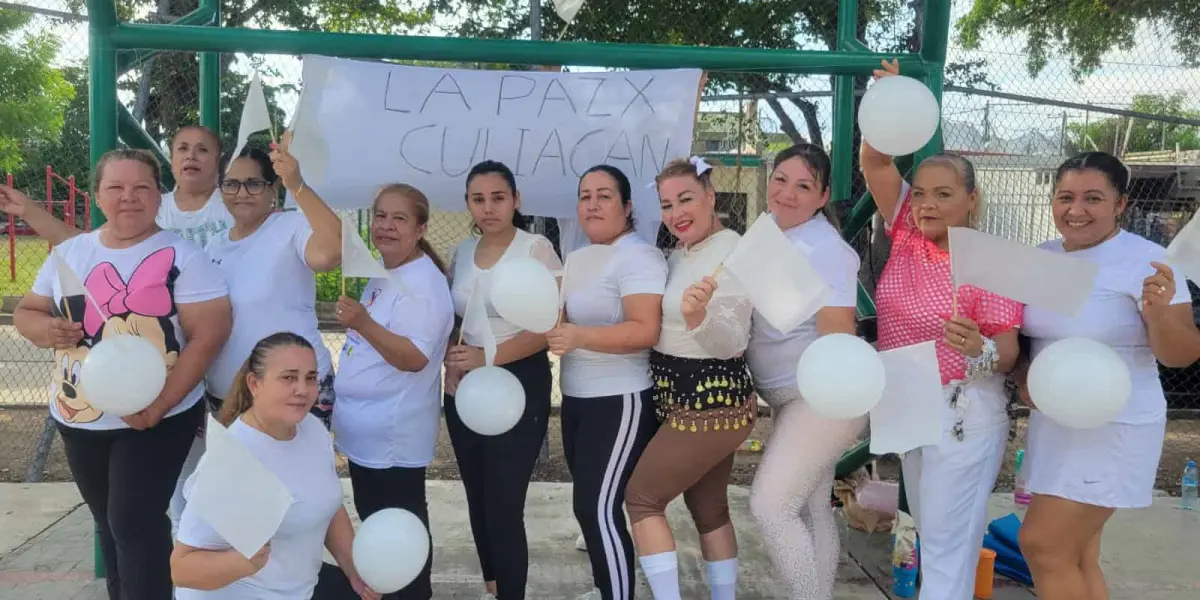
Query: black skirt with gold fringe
[702, 394]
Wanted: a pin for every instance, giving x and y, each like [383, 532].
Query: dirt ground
[19, 430]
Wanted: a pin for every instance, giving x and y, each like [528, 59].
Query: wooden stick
[343, 285]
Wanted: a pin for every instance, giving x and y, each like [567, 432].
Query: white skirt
[1112, 466]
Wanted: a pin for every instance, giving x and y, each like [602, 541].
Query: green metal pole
[102, 122]
[633, 56]
[935, 38]
[128, 59]
[843, 107]
[210, 74]
[131, 132]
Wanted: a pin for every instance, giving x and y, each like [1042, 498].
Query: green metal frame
[112, 47]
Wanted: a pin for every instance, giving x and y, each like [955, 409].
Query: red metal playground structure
[66, 208]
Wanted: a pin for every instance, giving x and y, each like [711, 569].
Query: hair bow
[147, 292]
[702, 167]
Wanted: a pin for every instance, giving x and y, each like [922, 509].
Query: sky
[1152, 66]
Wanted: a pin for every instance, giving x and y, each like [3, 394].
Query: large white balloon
[1079, 383]
[490, 400]
[840, 376]
[122, 375]
[898, 115]
[390, 549]
[525, 294]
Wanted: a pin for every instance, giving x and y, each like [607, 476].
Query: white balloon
[1079, 383]
[898, 115]
[390, 549]
[490, 400]
[525, 294]
[840, 376]
[122, 375]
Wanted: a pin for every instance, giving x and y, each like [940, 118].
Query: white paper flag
[910, 413]
[783, 285]
[475, 323]
[308, 146]
[1050, 280]
[69, 284]
[357, 260]
[255, 115]
[567, 9]
[583, 267]
[242, 500]
[1184, 253]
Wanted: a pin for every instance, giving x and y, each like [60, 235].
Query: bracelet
[296, 194]
[982, 366]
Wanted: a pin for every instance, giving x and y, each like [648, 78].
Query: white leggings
[948, 486]
[790, 498]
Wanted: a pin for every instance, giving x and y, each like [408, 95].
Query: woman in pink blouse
[975, 335]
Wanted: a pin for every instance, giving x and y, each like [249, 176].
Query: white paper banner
[378, 123]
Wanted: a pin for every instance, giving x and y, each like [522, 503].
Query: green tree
[35, 94]
[1082, 29]
[1139, 135]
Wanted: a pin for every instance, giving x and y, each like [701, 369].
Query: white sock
[722, 578]
[662, 572]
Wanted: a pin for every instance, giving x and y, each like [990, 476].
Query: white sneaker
[580, 543]
[592, 595]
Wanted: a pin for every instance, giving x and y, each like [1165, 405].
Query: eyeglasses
[253, 187]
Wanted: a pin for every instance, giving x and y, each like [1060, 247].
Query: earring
[910, 219]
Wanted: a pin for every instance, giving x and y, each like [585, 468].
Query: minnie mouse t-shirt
[138, 289]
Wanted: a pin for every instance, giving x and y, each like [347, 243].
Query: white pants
[189, 467]
[948, 486]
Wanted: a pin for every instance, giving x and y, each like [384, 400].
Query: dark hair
[818, 162]
[492, 167]
[215, 139]
[265, 166]
[421, 202]
[240, 399]
[1113, 169]
[966, 174]
[142, 156]
[624, 189]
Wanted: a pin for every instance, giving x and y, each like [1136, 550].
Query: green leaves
[35, 94]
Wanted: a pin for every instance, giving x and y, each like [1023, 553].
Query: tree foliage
[1139, 135]
[1083, 30]
[35, 94]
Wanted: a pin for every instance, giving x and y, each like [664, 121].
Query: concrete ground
[46, 550]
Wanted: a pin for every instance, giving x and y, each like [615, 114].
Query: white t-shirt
[772, 355]
[1113, 315]
[637, 268]
[464, 272]
[305, 464]
[139, 289]
[687, 267]
[271, 288]
[198, 226]
[386, 417]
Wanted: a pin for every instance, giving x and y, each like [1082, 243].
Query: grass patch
[30, 253]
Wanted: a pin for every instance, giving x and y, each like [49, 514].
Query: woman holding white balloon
[496, 469]
[604, 340]
[268, 412]
[145, 282]
[389, 376]
[1080, 473]
[790, 496]
[975, 335]
[702, 390]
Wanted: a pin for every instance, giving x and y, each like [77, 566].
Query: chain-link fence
[1017, 128]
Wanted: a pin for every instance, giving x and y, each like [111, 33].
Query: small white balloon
[898, 115]
[490, 400]
[525, 294]
[840, 376]
[122, 375]
[1079, 383]
[390, 549]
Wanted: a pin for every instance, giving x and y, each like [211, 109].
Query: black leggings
[495, 470]
[602, 440]
[397, 487]
[127, 477]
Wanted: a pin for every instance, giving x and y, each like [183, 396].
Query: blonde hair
[682, 167]
[142, 156]
[240, 399]
[421, 202]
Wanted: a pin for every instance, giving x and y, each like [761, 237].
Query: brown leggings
[695, 464]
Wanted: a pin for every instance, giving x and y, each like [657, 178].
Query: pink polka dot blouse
[913, 297]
